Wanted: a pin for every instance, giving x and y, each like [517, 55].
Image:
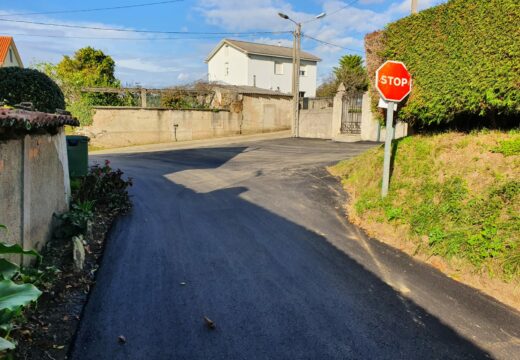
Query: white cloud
[144, 65]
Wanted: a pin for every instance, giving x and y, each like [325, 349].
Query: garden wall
[127, 126]
[34, 185]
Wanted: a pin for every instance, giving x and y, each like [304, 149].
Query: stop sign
[393, 81]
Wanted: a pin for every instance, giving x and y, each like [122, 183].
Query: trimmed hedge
[20, 85]
[464, 57]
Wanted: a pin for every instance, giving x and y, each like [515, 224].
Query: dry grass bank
[454, 202]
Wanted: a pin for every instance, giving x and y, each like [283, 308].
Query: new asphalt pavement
[253, 236]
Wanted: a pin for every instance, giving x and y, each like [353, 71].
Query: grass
[453, 195]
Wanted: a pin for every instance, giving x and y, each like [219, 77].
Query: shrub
[106, 187]
[463, 56]
[101, 190]
[181, 99]
[28, 85]
[14, 294]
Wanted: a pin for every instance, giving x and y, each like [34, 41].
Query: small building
[34, 174]
[9, 55]
[235, 62]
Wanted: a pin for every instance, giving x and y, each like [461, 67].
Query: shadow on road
[275, 289]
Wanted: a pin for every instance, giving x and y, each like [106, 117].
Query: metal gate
[351, 114]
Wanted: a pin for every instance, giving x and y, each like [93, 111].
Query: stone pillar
[143, 98]
[337, 109]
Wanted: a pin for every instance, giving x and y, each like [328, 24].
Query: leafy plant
[508, 147]
[106, 187]
[13, 296]
[76, 220]
[28, 85]
[463, 60]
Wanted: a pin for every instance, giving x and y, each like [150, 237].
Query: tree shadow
[275, 289]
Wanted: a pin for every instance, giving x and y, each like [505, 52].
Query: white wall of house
[261, 71]
[234, 67]
[10, 58]
[229, 66]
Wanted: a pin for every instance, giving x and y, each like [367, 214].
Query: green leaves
[463, 56]
[17, 249]
[6, 345]
[8, 269]
[13, 295]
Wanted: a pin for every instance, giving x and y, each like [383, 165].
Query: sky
[157, 60]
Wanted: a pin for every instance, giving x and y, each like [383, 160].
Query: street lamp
[297, 40]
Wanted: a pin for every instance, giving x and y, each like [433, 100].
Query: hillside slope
[454, 201]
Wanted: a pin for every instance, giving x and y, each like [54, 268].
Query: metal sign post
[394, 83]
[388, 148]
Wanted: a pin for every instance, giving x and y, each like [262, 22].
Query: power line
[331, 44]
[97, 9]
[141, 31]
[329, 14]
[133, 39]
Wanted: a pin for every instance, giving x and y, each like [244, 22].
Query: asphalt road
[257, 234]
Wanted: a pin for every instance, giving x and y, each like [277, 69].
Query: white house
[236, 62]
[8, 53]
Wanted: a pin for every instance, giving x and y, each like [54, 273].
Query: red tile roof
[5, 42]
[29, 120]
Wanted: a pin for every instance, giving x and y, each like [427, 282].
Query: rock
[78, 252]
[209, 323]
[89, 236]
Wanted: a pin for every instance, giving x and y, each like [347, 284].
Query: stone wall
[316, 123]
[34, 185]
[127, 126]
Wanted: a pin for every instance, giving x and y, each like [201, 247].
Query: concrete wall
[326, 123]
[34, 184]
[316, 123]
[265, 114]
[126, 126]
[370, 126]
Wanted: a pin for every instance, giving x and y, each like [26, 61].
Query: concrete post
[337, 111]
[26, 195]
[414, 6]
[143, 98]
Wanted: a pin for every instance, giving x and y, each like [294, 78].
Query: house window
[226, 69]
[278, 68]
[11, 55]
[303, 71]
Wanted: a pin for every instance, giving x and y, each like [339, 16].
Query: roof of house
[250, 90]
[5, 43]
[252, 48]
[30, 120]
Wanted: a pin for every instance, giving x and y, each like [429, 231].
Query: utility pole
[297, 40]
[414, 6]
[296, 79]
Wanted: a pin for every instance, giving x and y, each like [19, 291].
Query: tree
[88, 67]
[350, 72]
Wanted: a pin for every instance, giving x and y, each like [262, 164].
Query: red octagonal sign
[393, 81]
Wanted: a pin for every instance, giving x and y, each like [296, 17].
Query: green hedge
[464, 57]
[28, 85]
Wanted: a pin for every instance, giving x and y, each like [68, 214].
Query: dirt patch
[51, 325]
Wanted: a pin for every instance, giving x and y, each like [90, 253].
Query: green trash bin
[77, 153]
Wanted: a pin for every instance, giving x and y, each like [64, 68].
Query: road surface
[254, 237]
